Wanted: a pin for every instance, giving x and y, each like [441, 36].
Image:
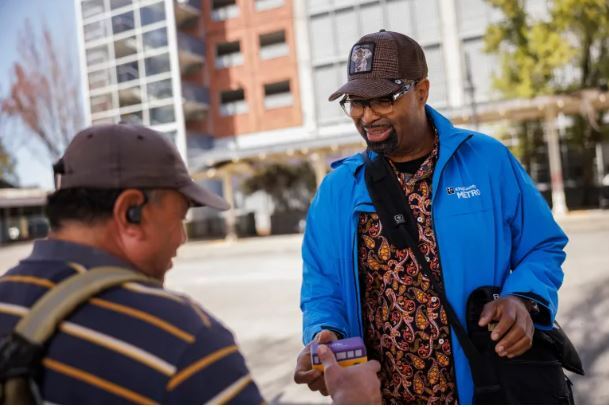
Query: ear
[128, 199]
[422, 91]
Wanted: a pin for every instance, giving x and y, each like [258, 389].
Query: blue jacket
[492, 228]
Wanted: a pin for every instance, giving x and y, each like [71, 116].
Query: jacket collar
[450, 138]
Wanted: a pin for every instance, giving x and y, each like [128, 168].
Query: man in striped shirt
[122, 193]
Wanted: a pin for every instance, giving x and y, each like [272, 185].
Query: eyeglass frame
[366, 102]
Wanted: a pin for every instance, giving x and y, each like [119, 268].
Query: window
[132, 118]
[99, 79]
[428, 21]
[438, 94]
[268, 4]
[232, 102]
[224, 9]
[123, 22]
[92, 8]
[152, 14]
[326, 80]
[273, 45]
[157, 64]
[98, 55]
[162, 115]
[125, 47]
[346, 20]
[114, 4]
[101, 103]
[96, 30]
[160, 90]
[129, 96]
[155, 39]
[399, 17]
[277, 95]
[371, 18]
[322, 37]
[228, 54]
[127, 72]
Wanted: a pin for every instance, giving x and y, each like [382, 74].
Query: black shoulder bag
[537, 376]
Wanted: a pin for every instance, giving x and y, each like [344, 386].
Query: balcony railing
[186, 11]
[196, 101]
[191, 51]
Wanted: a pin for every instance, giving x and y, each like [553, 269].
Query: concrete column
[559, 203]
[230, 217]
[452, 50]
[318, 161]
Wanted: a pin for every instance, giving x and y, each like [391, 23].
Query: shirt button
[427, 258]
[420, 220]
[441, 341]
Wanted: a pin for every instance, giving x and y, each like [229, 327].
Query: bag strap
[399, 224]
[40, 322]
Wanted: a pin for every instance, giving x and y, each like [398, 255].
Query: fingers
[325, 336]
[489, 313]
[307, 376]
[374, 365]
[319, 385]
[522, 327]
[520, 347]
[304, 372]
[507, 318]
[326, 357]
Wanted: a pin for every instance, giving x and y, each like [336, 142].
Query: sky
[33, 166]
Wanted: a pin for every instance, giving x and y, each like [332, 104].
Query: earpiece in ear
[134, 214]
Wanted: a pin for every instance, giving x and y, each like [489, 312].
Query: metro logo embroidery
[360, 60]
[471, 191]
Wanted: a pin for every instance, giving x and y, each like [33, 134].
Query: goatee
[385, 147]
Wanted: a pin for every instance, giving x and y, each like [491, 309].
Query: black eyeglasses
[354, 108]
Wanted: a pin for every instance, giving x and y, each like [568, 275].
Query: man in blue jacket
[480, 222]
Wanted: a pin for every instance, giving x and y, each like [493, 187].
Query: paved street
[253, 286]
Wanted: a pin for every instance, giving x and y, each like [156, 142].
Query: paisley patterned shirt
[405, 325]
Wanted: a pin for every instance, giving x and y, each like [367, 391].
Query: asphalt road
[253, 286]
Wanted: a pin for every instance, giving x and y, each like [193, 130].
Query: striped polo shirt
[132, 343]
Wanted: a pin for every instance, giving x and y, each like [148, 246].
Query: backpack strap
[40, 323]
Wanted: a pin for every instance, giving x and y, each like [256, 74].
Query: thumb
[488, 313]
[325, 336]
[326, 356]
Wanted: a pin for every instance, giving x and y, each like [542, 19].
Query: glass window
[92, 8]
[268, 4]
[127, 72]
[399, 17]
[101, 103]
[133, 118]
[273, 45]
[155, 39]
[473, 16]
[437, 76]
[130, 96]
[96, 30]
[114, 4]
[322, 37]
[347, 21]
[97, 55]
[152, 14]
[228, 54]
[224, 9]
[428, 21]
[125, 47]
[371, 18]
[123, 22]
[277, 95]
[481, 66]
[327, 79]
[162, 115]
[99, 79]
[160, 90]
[232, 102]
[157, 64]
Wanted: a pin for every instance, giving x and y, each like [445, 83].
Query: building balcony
[191, 53]
[198, 143]
[195, 101]
[186, 11]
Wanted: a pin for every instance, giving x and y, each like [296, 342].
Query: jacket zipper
[433, 225]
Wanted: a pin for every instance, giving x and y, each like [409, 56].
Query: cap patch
[360, 60]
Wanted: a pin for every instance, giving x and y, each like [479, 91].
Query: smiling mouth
[377, 134]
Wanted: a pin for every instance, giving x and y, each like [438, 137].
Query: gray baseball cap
[120, 156]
